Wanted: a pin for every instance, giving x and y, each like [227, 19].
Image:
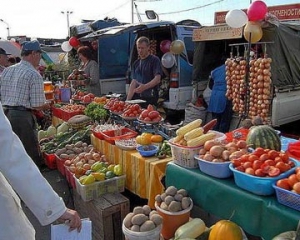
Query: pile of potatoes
[173, 200]
[142, 219]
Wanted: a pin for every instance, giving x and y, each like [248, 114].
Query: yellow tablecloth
[143, 175]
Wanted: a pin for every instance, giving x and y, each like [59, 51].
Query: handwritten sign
[217, 33]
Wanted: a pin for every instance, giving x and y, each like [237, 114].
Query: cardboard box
[106, 213]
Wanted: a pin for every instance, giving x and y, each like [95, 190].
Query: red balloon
[165, 46]
[257, 10]
[74, 42]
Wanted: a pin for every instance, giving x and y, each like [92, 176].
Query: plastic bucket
[173, 220]
[65, 94]
[150, 235]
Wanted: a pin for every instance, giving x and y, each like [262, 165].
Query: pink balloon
[257, 10]
[165, 46]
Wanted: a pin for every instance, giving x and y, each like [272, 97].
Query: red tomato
[270, 162]
[265, 168]
[253, 157]
[259, 173]
[144, 114]
[150, 108]
[292, 179]
[296, 187]
[273, 154]
[264, 157]
[259, 151]
[284, 157]
[283, 167]
[256, 164]
[240, 168]
[136, 106]
[283, 183]
[247, 165]
[153, 114]
[236, 162]
[298, 175]
[245, 158]
[273, 171]
[297, 169]
[249, 170]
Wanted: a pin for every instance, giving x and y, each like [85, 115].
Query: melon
[263, 136]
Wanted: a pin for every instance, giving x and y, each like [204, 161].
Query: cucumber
[191, 229]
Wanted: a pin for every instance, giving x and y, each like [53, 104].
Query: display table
[257, 215]
[143, 175]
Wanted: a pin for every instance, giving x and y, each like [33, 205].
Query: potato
[135, 228]
[164, 206]
[156, 218]
[127, 220]
[78, 144]
[175, 206]
[183, 192]
[152, 212]
[185, 203]
[178, 197]
[60, 151]
[169, 199]
[158, 198]
[146, 210]
[147, 226]
[163, 196]
[138, 210]
[139, 219]
[171, 191]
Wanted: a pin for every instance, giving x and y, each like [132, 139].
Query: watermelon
[263, 136]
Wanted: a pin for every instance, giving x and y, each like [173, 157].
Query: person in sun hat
[3, 60]
[22, 92]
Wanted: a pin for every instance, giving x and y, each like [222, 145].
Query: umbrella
[11, 47]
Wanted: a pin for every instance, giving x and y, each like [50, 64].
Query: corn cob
[190, 126]
[177, 139]
[199, 141]
[193, 134]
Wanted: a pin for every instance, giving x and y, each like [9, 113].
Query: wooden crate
[106, 213]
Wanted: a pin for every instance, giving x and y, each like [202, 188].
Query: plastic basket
[67, 115]
[258, 185]
[96, 189]
[215, 169]
[50, 160]
[60, 163]
[97, 134]
[56, 112]
[287, 198]
[112, 135]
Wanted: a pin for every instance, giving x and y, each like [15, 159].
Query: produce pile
[253, 97]
[96, 111]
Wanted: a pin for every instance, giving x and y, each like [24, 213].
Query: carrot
[208, 126]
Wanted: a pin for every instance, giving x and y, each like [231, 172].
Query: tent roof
[11, 47]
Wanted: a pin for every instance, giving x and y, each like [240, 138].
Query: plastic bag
[193, 112]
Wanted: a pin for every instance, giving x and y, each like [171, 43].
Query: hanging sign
[282, 12]
[217, 32]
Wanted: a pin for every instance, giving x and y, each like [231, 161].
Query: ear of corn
[198, 141]
[188, 127]
[193, 134]
[177, 139]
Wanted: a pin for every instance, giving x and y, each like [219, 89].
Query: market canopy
[11, 47]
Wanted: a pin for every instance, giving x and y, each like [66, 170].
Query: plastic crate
[287, 198]
[56, 112]
[96, 189]
[70, 177]
[50, 160]
[98, 135]
[258, 185]
[67, 115]
[60, 163]
[215, 169]
[112, 135]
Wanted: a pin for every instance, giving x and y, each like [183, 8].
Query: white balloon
[168, 60]
[66, 47]
[236, 18]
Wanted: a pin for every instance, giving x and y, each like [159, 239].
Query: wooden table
[143, 174]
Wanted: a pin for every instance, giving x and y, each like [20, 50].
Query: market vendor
[146, 74]
[91, 69]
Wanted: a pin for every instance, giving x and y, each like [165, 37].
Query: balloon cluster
[67, 46]
[169, 49]
[256, 12]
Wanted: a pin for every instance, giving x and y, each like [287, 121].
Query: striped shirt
[22, 85]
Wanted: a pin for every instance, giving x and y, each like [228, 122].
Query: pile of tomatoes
[116, 105]
[150, 115]
[263, 163]
[132, 111]
[292, 182]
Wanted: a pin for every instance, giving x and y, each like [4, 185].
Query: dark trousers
[24, 126]
[224, 118]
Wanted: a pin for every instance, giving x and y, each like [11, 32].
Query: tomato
[284, 157]
[298, 175]
[259, 173]
[245, 158]
[240, 168]
[144, 113]
[153, 114]
[297, 169]
[273, 171]
[253, 157]
[264, 157]
[259, 151]
[247, 165]
[136, 107]
[150, 108]
[265, 168]
[147, 119]
[283, 167]
[270, 162]
[283, 183]
[273, 154]
[296, 187]
[256, 164]
[278, 159]
[292, 179]
[236, 162]
[249, 171]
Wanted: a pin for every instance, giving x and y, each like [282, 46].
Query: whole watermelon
[263, 136]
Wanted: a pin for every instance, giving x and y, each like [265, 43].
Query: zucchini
[191, 229]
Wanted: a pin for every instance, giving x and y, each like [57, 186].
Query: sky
[43, 19]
